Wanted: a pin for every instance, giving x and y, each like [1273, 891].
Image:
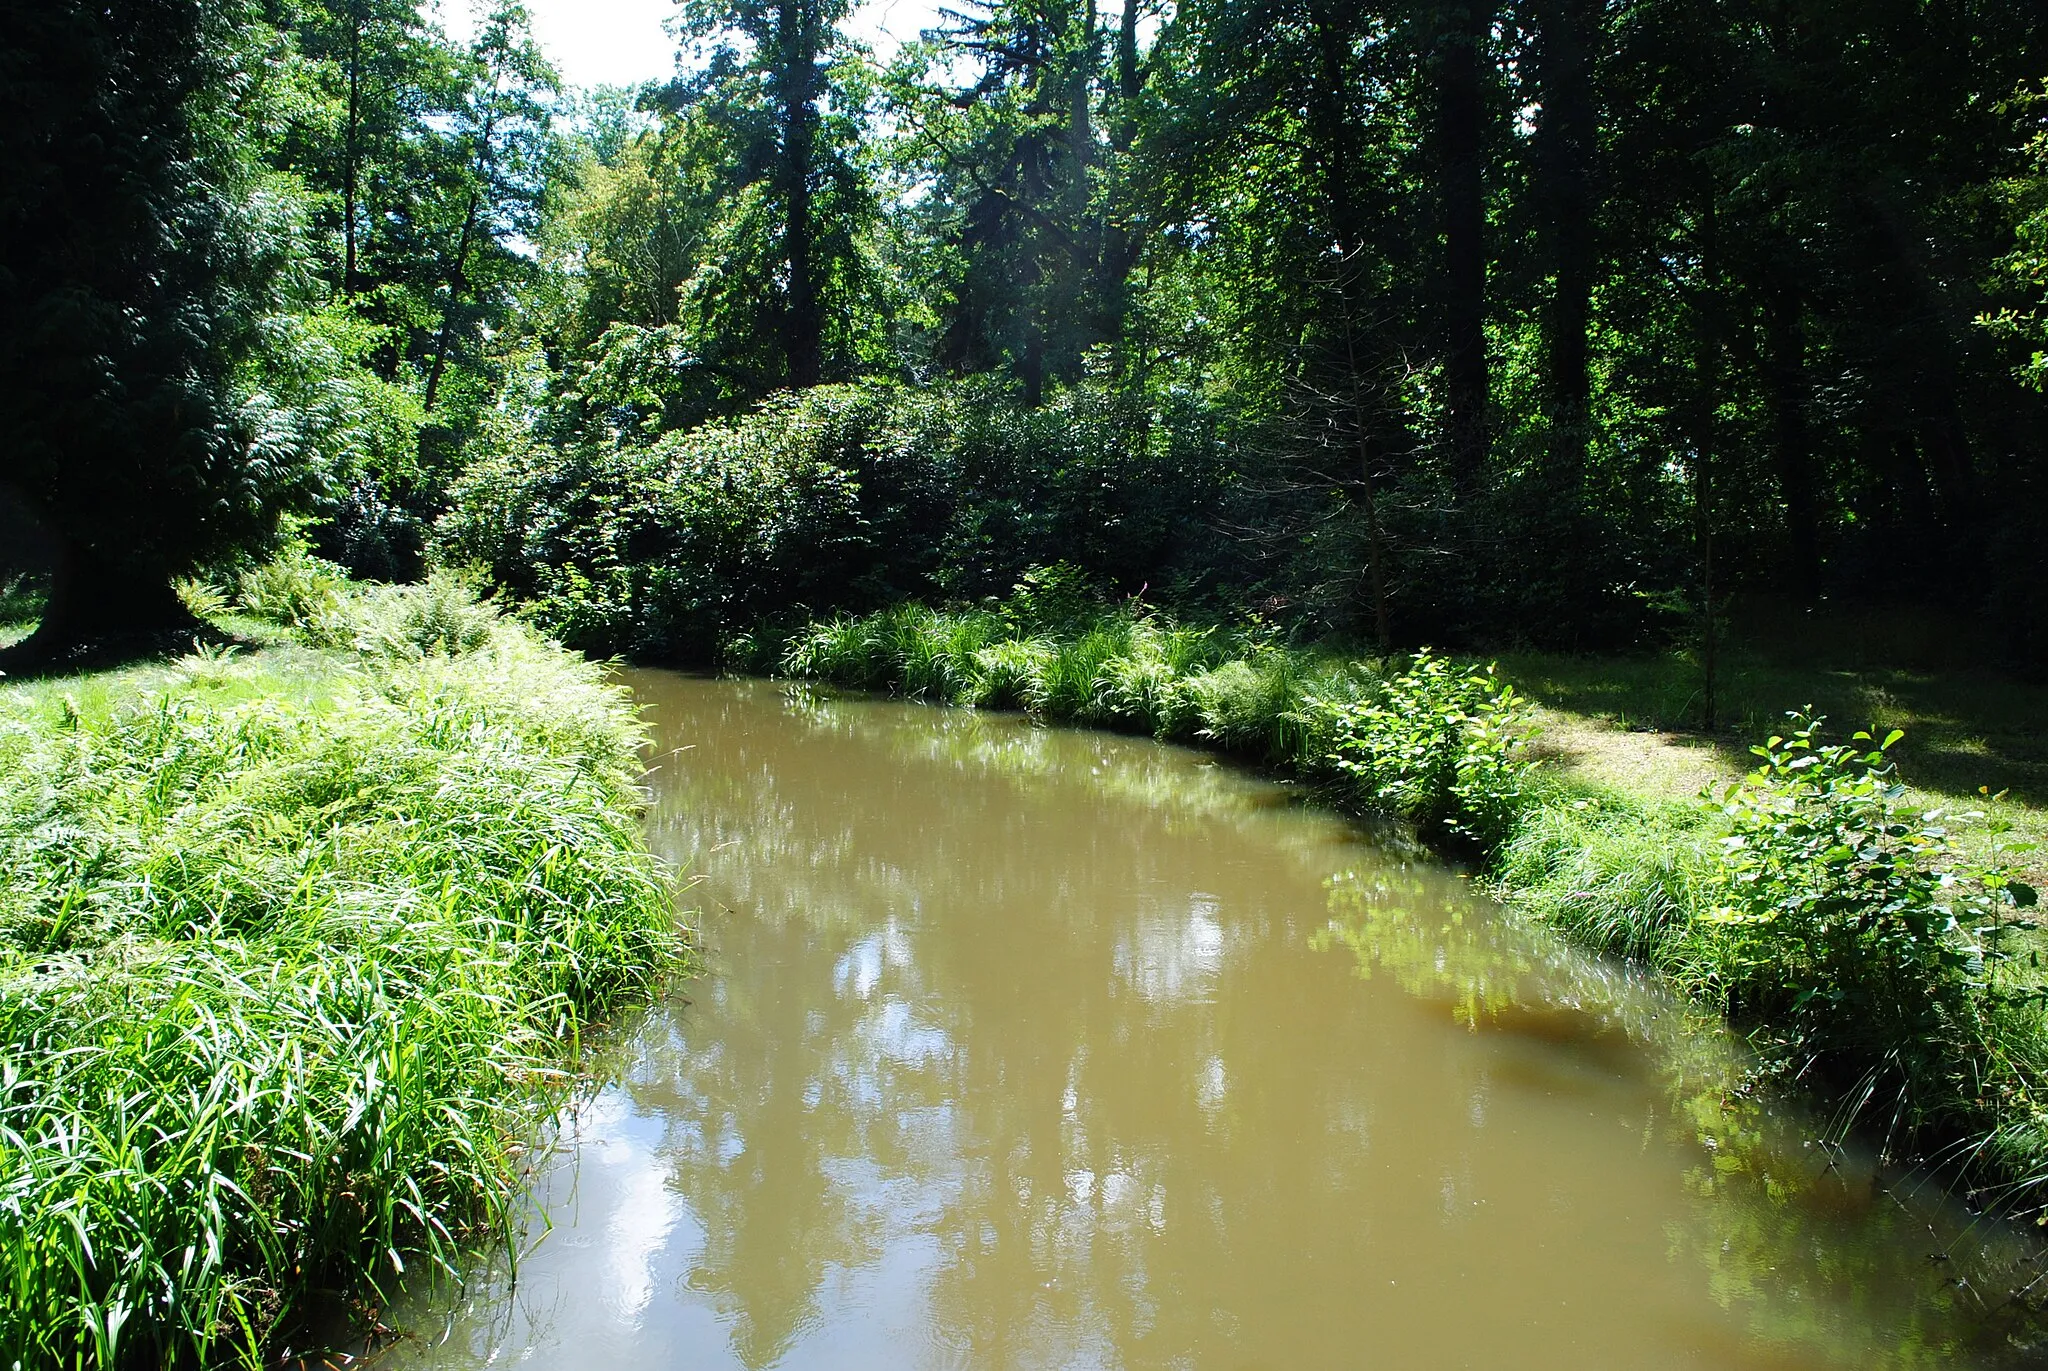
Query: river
[1026, 1048]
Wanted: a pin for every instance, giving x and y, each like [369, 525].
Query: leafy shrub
[1059, 598]
[1839, 910]
[1443, 744]
[1147, 683]
[835, 499]
[1617, 877]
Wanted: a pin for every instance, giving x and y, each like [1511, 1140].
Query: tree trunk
[456, 274]
[1792, 437]
[803, 331]
[1119, 244]
[102, 609]
[1462, 189]
[1336, 142]
[351, 155]
[1566, 139]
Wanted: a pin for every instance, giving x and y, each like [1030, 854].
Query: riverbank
[1873, 942]
[295, 950]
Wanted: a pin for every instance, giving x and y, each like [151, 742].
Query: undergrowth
[1435, 742]
[1837, 923]
[294, 949]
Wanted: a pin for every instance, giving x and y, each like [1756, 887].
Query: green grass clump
[1441, 762]
[292, 950]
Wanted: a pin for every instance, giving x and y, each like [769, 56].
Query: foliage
[441, 616]
[1442, 745]
[835, 498]
[147, 254]
[1434, 742]
[1841, 912]
[291, 589]
[290, 954]
[1837, 925]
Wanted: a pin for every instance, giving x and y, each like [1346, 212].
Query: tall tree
[503, 125]
[766, 81]
[1458, 57]
[1022, 116]
[141, 252]
[382, 76]
[1566, 143]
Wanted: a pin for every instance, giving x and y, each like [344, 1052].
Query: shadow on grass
[1964, 728]
[24, 658]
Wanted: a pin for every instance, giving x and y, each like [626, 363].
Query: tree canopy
[1539, 320]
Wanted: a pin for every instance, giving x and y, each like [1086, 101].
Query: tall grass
[1448, 755]
[292, 948]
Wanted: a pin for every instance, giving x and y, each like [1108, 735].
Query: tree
[142, 251]
[1013, 159]
[764, 84]
[503, 126]
[1566, 145]
[377, 76]
[1458, 56]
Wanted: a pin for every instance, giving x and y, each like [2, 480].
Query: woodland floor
[1976, 741]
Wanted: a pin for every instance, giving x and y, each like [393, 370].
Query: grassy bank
[1873, 942]
[295, 948]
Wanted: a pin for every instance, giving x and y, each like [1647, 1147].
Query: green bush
[1840, 913]
[1443, 745]
[840, 498]
[291, 953]
[1011, 674]
[1836, 925]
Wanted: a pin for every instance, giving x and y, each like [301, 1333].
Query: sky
[622, 42]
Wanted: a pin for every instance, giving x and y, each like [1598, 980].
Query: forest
[1493, 414]
[1550, 324]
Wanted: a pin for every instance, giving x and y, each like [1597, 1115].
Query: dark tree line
[1560, 320]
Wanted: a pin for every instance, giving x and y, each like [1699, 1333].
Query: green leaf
[1894, 736]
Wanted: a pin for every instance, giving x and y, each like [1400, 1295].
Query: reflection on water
[1034, 1049]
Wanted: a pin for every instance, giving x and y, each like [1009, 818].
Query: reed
[295, 951]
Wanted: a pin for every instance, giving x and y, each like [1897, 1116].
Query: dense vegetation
[293, 949]
[1522, 320]
[1351, 327]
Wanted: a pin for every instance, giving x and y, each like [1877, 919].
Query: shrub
[1147, 684]
[1839, 911]
[442, 616]
[1618, 878]
[839, 498]
[1443, 745]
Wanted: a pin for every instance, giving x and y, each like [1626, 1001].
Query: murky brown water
[1041, 1049]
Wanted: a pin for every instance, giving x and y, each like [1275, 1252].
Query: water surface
[1027, 1048]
